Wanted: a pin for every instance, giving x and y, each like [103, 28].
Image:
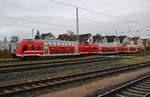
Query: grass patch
[136, 59]
[5, 54]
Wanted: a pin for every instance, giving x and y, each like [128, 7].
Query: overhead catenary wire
[123, 9]
[33, 21]
[18, 6]
[86, 9]
[71, 5]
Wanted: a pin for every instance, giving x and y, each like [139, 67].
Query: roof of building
[134, 39]
[121, 38]
[97, 38]
[47, 35]
[110, 38]
[84, 37]
[66, 37]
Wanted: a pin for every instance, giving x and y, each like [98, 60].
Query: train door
[46, 50]
[76, 49]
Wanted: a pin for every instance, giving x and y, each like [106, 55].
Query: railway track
[16, 63]
[45, 65]
[9, 61]
[137, 88]
[40, 83]
[15, 60]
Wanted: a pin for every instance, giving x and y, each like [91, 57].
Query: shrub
[5, 54]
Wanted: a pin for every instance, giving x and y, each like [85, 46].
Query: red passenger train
[27, 48]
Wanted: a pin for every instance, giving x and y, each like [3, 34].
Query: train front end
[28, 48]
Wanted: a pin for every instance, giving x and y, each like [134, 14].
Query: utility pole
[32, 33]
[77, 24]
[129, 29]
[116, 32]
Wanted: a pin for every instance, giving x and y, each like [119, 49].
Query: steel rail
[55, 64]
[135, 88]
[36, 84]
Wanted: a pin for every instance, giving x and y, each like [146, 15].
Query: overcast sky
[19, 17]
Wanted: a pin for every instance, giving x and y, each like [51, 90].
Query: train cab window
[25, 48]
[29, 47]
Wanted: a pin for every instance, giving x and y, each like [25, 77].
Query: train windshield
[25, 48]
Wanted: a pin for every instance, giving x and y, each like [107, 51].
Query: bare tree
[14, 39]
[37, 36]
[70, 33]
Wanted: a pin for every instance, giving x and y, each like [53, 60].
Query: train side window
[63, 44]
[59, 43]
[51, 42]
[67, 43]
[32, 48]
[54, 43]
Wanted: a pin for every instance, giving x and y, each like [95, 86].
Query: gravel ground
[81, 91]
[21, 62]
[15, 77]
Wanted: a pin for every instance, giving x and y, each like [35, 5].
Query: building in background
[67, 37]
[9, 46]
[83, 38]
[124, 40]
[13, 43]
[45, 36]
[112, 40]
